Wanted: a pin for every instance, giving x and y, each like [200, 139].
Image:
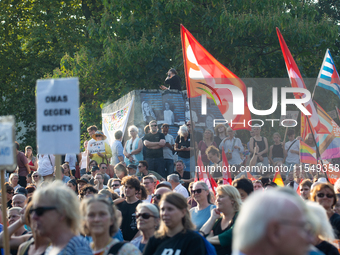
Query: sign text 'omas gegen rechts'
[58, 129]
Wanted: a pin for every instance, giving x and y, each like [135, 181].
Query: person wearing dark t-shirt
[154, 142]
[184, 176]
[24, 168]
[182, 146]
[222, 219]
[172, 80]
[175, 235]
[128, 207]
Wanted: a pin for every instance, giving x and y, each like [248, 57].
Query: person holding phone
[172, 80]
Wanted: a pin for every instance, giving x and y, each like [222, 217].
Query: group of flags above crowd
[202, 69]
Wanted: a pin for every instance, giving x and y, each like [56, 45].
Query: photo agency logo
[238, 99]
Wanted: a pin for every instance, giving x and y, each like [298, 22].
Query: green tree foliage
[125, 45]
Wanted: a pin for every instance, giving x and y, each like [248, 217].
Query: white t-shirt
[71, 159]
[46, 164]
[293, 157]
[181, 190]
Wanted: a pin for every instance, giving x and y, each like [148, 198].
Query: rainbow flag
[307, 154]
[278, 179]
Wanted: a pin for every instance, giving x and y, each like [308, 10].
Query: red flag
[226, 175]
[298, 188]
[203, 75]
[251, 177]
[213, 184]
[305, 128]
[297, 82]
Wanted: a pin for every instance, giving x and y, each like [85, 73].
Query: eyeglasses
[198, 191]
[158, 196]
[103, 167]
[144, 215]
[39, 211]
[34, 176]
[140, 166]
[306, 226]
[321, 195]
[115, 185]
[153, 125]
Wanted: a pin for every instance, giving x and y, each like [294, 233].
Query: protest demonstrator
[154, 142]
[117, 149]
[175, 233]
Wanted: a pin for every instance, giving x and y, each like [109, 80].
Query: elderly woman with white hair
[219, 227]
[201, 213]
[324, 235]
[133, 147]
[13, 181]
[182, 146]
[37, 179]
[147, 217]
[55, 209]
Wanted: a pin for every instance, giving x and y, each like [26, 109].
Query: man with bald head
[156, 197]
[272, 223]
[18, 200]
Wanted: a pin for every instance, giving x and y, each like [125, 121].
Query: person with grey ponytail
[201, 213]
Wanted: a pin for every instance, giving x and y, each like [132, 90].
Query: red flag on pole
[226, 175]
[297, 82]
[204, 76]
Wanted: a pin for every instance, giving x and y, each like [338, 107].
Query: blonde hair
[11, 177]
[180, 202]
[64, 199]
[232, 193]
[115, 216]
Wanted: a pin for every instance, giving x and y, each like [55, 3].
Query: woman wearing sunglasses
[147, 216]
[218, 229]
[30, 243]
[55, 209]
[324, 194]
[175, 234]
[101, 221]
[201, 213]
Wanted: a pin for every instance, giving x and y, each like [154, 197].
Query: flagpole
[337, 112]
[317, 149]
[188, 96]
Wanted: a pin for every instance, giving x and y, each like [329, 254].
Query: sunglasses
[158, 196]
[115, 185]
[131, 147]
[98, 135]
[35, 176]
[153, 125]
[321, 195]
[39, 211]
[140, 166]
[104, 167]
[198, 191]
[144, 215]
[11, 193]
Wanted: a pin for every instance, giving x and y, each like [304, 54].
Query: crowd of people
[140, 197]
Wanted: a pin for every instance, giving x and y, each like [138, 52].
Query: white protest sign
[58, 128]
[8, 156]
[96, 146]
[289, 119]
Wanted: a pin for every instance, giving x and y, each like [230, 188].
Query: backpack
[209, 248]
